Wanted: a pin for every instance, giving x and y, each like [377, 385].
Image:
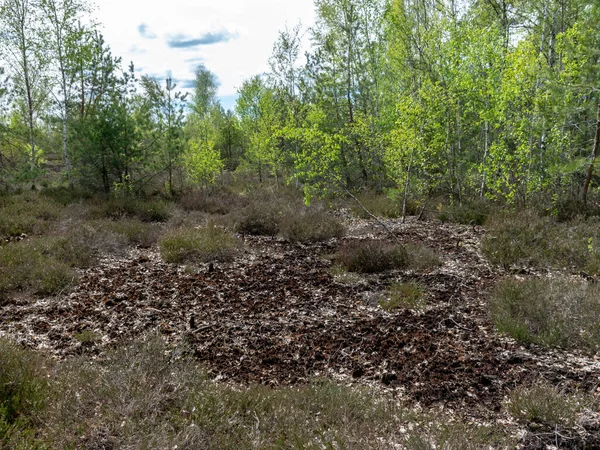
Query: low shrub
[380, 205]
[134, 231]
[147, 394]
[371, 256]
[64, 195]
[130, 207]
[212, 201]
[422, 258]
[553, 312]
[307, 226]
[473, 212]
[27, 214]
[23, 390]
[402, 295]
[259, 219]
[525, 238]
[202, 244]
[27, 266]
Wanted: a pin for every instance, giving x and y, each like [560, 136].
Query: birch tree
[64, 36]
[22, 41]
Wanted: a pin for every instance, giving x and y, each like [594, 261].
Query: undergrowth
[201, 244]
[148, 395]
[371, 256]
[525, 238]
[310, 225]
[552, 312]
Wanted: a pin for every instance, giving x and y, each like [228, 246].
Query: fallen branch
[373, 216]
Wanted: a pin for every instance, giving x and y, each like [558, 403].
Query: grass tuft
[544, 406]
[403, 295]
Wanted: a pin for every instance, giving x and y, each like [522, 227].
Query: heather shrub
[131, 207]
[371, 256]
[308, 225]
[259, 219]
[553, 312]
[202, 244]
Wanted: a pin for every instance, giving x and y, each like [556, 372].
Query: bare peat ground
[276, 315]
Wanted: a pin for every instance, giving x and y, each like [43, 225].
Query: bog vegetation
[480, 113]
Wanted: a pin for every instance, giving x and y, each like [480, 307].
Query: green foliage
[371, 256]
[202, 244]
[202, 162]
[552, 312]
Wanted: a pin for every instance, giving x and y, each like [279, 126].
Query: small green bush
[402, 295]
[371, 256]
[551, 312]
[309, 226]
[259, 219]
[203, 244]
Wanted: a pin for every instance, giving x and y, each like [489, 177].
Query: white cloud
[234, 38]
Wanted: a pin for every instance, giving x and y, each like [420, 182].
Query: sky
[232, 38]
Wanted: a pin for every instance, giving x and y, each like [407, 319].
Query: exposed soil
[276, 315]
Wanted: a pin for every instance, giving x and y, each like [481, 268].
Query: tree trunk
[594, 155]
